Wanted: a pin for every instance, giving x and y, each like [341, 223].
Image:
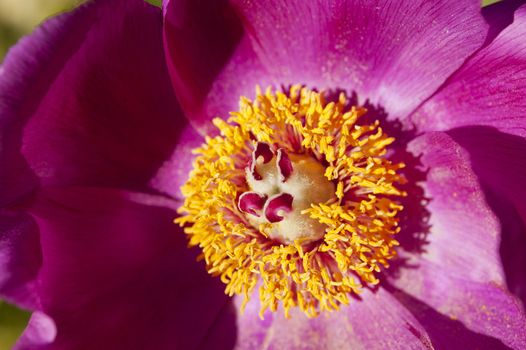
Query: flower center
[281, 187]
[295, 195]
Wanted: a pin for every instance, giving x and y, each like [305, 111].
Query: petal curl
[446, 332]
[87, 100]
[396, 53]
[460, 273]
[488, 90]
[485, 308]
[499, 159]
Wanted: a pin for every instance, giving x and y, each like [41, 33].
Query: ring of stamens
[359, 219]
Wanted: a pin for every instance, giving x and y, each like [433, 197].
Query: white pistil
[306, 184]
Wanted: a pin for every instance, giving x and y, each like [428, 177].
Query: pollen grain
[360, 218]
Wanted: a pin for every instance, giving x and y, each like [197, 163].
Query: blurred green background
[17, 18]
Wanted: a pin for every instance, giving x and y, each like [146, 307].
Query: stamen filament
[233, 206]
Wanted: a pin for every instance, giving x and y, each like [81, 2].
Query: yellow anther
[360, 219]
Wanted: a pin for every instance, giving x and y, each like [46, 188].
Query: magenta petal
[396, 53]
[376, 322]
[499, 15]
[20, 258]
[499, 161]
[117, 274]
[460, 216]
[466, 279]
[488, 90]
[446, 332]
[174, 171]
[87, 99]
[39, 334]
[211, 60]
[485, 308]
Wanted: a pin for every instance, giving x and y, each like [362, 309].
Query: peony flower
[357, 179]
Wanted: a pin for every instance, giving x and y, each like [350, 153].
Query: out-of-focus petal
[87, 100]
[488, 90]
[117, 274]
[39, 333]
[397, 53]
[460, 273]
[377, 321]
[20, 258]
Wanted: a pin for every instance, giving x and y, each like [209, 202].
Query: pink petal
[460, 216]
[39, 333]
[460, 273]
[117, 274]
[377, 321]
[485, 308]
[211, 61]
[396, 53]
[499, 15]
[488, 90]
[87, 100]
[20, 258]
[499, 161]
[446, 332]
[174, 171]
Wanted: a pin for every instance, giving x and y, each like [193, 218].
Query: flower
[95, 147]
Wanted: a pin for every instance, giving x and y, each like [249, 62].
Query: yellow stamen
[360, 219]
